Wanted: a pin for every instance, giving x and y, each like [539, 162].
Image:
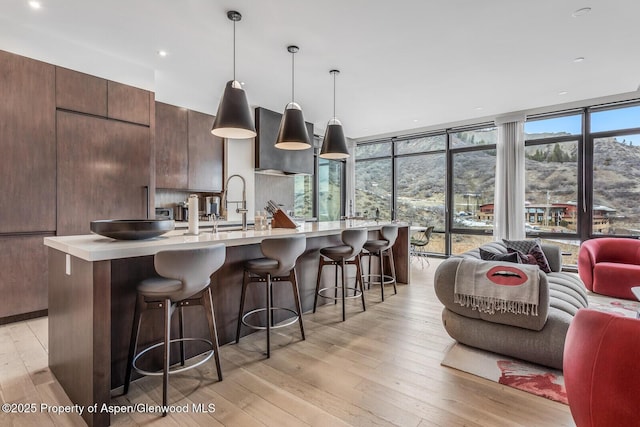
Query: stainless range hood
[272, 160]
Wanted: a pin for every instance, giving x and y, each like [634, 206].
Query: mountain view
[551, 179]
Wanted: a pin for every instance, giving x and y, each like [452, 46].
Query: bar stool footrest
[279, 325]
[358, 292]
[387, 279]
[178, 370]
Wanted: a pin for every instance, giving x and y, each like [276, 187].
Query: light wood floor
[379, 368]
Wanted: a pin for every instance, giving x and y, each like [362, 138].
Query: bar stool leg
[381, 274]
[359, 279]
[167, 353]
[245, 282]
[269, 316]
[296, 295]
[315, 298]
[133, 344]
[369, 275]
[344, 289]
[181, 328]
[335, 290]
[207, 302]
[392, 264]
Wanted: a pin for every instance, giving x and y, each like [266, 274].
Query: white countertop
[92, 247]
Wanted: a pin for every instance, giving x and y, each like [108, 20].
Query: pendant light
[334, 145]
[234, 119]
[293, 133]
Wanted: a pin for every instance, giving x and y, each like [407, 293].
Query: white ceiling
[404, 64]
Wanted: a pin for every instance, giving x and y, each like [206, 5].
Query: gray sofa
[538, 339]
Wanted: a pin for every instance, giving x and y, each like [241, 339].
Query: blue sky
[622, 118]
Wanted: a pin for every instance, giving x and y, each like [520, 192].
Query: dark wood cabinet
[103, 171]
[205, 154]
[270, 157]
[172, 154]
[188, 156]
[81, 92]
[128, 103]
[27, 140]
[23, 262]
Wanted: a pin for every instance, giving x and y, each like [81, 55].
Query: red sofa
[610, 266]
[600, 366]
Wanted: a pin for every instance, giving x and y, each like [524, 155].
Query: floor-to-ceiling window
[473, 172]
[421, 168]
[552, 149]
[374, 180]
[582, 170]
[321, 195]
[330, 185]
[615, 148]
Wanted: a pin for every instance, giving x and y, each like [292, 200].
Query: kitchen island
[92, 293]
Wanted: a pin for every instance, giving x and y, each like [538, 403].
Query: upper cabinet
[28, 141]
[81, 92]
[205, 154]
[128, 103]
[188, 156]
[270, 157]
[84, 93]
[172, 154]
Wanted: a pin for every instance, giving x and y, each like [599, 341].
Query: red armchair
[610, 266]
[602, 369]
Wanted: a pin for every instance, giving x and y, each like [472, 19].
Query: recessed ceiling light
[563, 92]
[35, 4]
[479, 108]
[162, 53]
[415, 120]
[578, 59]
[581, 12]
[242, 83]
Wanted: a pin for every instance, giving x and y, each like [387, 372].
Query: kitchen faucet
[241, 204]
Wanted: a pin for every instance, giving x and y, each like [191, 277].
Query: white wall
[239, 159]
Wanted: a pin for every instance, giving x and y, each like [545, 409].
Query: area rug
[525, 376]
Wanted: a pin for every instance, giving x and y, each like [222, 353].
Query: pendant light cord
[334, 95]
[293, 77]
[234, 50]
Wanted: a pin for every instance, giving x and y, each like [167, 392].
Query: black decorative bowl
[132, 229]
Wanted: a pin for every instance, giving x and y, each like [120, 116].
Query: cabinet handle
[146, 189]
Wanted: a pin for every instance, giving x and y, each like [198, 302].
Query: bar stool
[346, 254]
[381, 248]
[278, 265]
[185, 276]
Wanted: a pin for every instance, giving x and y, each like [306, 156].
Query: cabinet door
[128, 103]
[81, 92]
[23, 282]
[205, 154]
[27, 140]
[103, 171]
[172, 156]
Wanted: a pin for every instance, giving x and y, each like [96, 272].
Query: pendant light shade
[234, 119]
[293, 133]
[334, 144]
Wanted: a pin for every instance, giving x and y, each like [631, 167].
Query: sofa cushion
[493, 256]
[523, 246]
[615, 279]
[534, 256]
